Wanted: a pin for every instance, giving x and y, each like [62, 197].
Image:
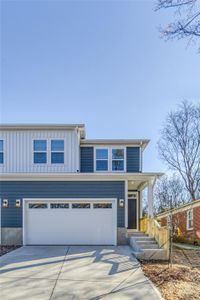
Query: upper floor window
[117, 159]
[40, 151]
[110, 159]
[1, 152]
[57, 151]
[190, 219]
[102, 159]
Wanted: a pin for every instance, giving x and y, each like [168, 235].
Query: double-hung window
[40, 151]
[57, 151]
[190, 219]
[102, 159]
[1, 152]
[117, 159]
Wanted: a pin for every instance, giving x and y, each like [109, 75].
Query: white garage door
[58, 222]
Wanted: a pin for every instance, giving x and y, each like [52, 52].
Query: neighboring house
[57, 187]
[186, 222]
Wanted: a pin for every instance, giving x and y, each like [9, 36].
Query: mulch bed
[179, 282]
[6, 249]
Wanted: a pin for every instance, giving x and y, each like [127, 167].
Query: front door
[132, 214]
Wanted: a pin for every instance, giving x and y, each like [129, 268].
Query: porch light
[18, 203]
[5, 203]
[121, 202]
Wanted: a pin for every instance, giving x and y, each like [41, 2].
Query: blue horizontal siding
[132, 159]
[12, 190]
[87, 159]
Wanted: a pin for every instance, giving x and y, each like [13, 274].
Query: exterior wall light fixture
[5, 203]
[121, 202]
[18, 203]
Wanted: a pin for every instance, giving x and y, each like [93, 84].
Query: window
[57, 151]
[80, 205]
[102, 159]
[102, 205]
[117, 159]
[40, 151]
[190, 219]
[59, 205]
[1, 152]
[38, 205]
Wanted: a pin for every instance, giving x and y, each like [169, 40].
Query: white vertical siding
[18, 151]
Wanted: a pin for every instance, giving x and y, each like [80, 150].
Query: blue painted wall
[12, 190]
[133, 159]
[87, 159]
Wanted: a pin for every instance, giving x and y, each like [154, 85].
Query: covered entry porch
[136, 185]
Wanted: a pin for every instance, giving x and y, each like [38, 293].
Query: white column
[150, 199]
[126, 203]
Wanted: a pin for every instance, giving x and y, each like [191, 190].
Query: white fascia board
[125, 142]
[79, 176]
[40, 126]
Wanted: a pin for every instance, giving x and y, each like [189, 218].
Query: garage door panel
[75, 226]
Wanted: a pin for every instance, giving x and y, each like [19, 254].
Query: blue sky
[101, 63]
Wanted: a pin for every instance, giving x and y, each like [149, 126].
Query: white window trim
[95, 159]
[188, 213]
[33, 152]
[110, 148]
[57, 139]
[3, 152]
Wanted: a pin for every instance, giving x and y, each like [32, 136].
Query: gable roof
[181, 208]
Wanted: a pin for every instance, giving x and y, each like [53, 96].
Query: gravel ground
[6, 249]
[182, 280]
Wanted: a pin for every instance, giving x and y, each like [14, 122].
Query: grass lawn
[182, 281]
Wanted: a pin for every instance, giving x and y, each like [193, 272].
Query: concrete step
[143, 238]
[146, 242]
[148, 246]
[151, 254]
[137, 233]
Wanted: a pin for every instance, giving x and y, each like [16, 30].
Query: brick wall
[180, 224]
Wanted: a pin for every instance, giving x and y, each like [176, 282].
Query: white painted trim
[47, 151]
[137, 215]
[110, 148]
[93, 200]
[140, 177]
[126, 203]
[3, 164]
[187, 221]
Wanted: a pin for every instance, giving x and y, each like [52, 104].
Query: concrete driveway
[73, 272]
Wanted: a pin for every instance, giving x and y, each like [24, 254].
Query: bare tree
[179, 145]
[186, 22]
[166, 188]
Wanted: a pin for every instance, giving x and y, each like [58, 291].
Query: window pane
[80, 205]
[40, 145]
[57, 158]
[1, 157]
[101, 153]
[38, 205]
[117, 153]
[117, 165]
[40, 158]
[101, 165]
[59, 205]
[102, 205]
[57, 145]
[1, 145]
